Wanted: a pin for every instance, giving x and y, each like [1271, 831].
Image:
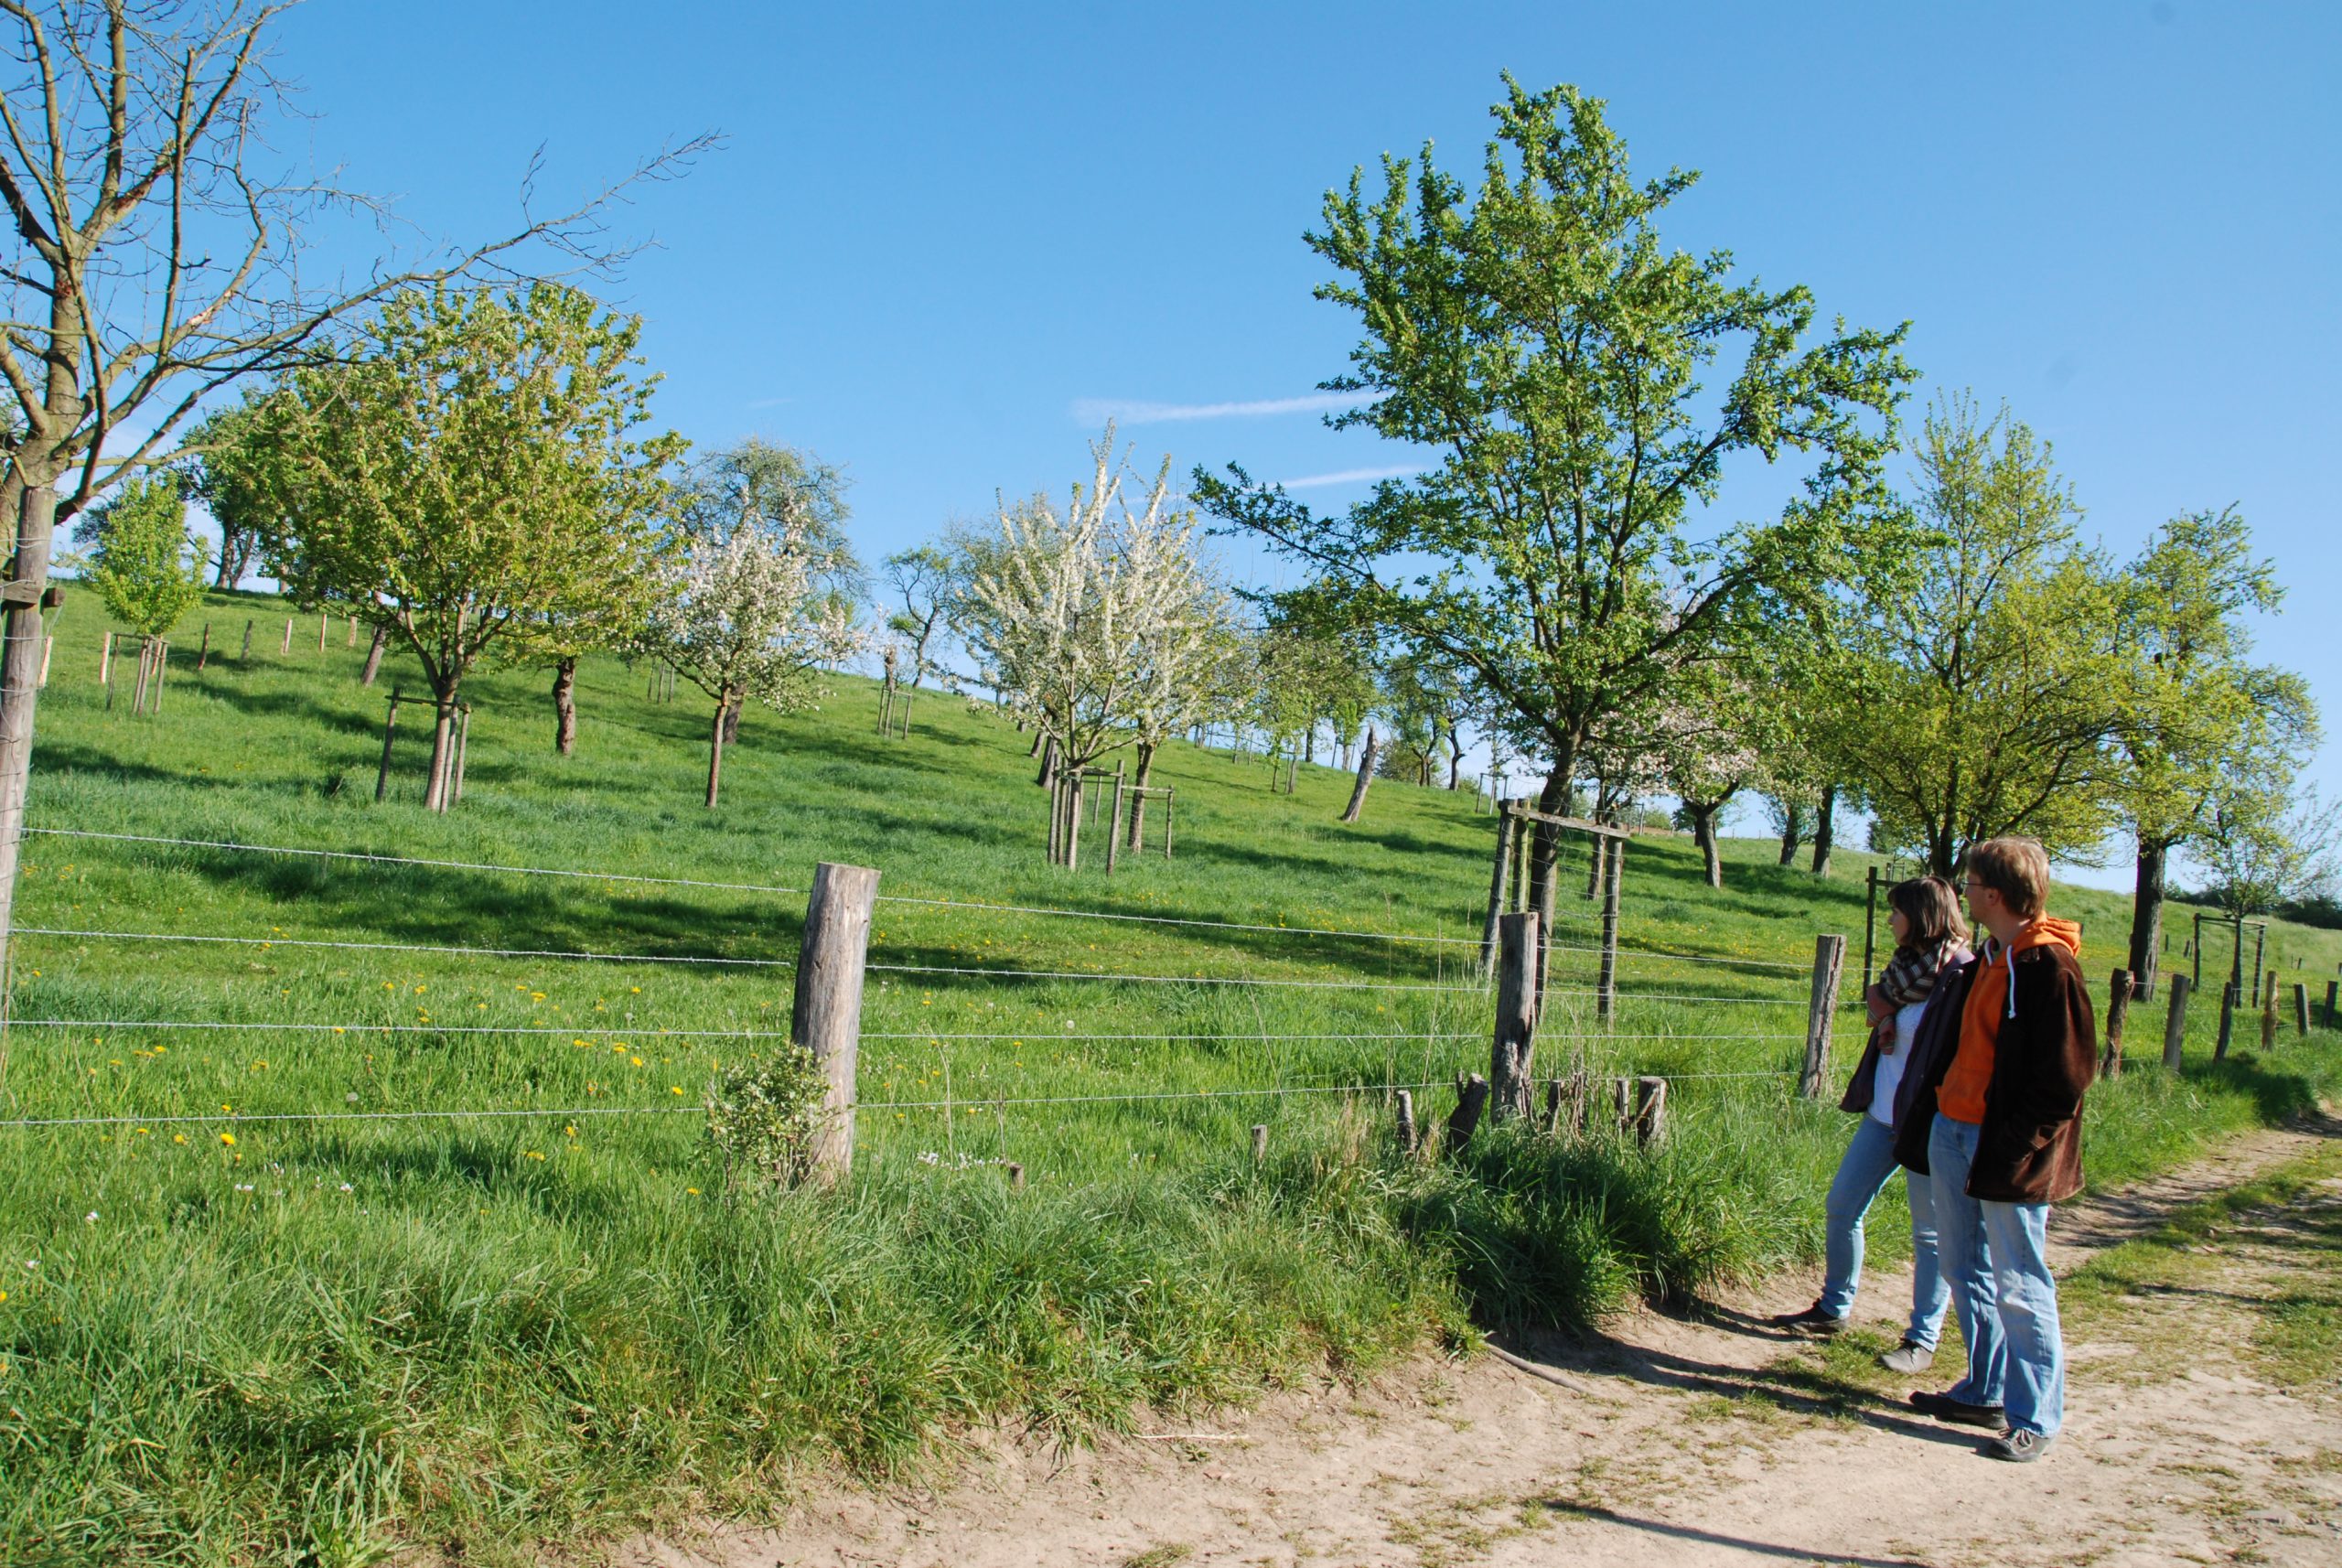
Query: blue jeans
[1997, 1264]
[1868, 1165]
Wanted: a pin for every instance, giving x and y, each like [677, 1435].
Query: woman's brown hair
[1932, 908]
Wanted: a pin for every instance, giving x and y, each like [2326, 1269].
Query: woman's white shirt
[1890, 1067]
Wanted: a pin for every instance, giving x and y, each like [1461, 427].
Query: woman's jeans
[1995, 1261]
[1868, 1163]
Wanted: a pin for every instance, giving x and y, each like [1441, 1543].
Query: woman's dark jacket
[2029, 1149]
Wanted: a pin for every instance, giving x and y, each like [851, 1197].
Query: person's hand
[1875, 1002]
[1882, 1034]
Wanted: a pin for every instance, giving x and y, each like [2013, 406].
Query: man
[1997, 1134]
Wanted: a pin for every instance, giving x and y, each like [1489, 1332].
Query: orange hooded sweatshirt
[1989, 1000]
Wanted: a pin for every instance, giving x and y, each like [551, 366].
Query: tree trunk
[1038, 738]
[1138, 801]
[443, 753]
[19, 686]
[373, 655]
[1544, 846]
[1824, 824]
[1454, 757]
[1365, 777]
[1703, 833]
[565, 706]
[1792, 830]
[2146, 916]
[732, 719]
[1048, 774]
[715, 748]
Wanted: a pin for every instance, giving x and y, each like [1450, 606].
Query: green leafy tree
[146, 565]
[478, 478]
[2203, 724]
[1548, 356]
[1988, 675]
[239, 454]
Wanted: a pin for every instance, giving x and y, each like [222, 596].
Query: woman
[1931, 937]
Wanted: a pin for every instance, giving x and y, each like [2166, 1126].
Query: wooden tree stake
[463, 740]
[390, 724]
[1259, 1143]
[1114, 824]
[203, 653]
[1821, 1010]
[286, 651]
[2269, 1014]
[48, 647]
[2228, 1022]
[1404, 1129]
[2175, 1022]
[1499, 878]
[825, 1017]
[246, 658]
[2300, 1009]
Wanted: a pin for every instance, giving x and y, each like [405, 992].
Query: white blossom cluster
[1092, 620]
[746, 617]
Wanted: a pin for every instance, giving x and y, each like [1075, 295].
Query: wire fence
[1562, 999]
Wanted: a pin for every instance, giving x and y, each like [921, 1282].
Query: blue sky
[940, 242]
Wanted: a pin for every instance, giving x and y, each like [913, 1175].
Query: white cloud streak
[1353, 476]
[1130, 411]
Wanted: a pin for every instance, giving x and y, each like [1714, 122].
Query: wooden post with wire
[1514, 1048]
[1499, 875]
[1870, 927]
[2300, 1009]
[2334, 1004]
[463, 740]
[2175, 1022]
[1821, 1011]
[2269, 1014]
[1606, 983]
[825, 1017]
[1403, 1126]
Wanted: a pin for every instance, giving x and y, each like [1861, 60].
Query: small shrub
[763, 1116]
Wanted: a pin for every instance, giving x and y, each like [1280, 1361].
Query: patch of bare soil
[2204, 1425]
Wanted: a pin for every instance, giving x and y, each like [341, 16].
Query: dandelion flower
[228, 1138]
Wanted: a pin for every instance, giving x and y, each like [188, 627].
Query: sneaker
[1909, 1356]
[1959, 1413]
[2016, 1445]
[1813, 1320]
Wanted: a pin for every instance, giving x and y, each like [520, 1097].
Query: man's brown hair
[2016, 869]
[1932, 908]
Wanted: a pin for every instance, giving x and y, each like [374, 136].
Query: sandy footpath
[1674, 1441]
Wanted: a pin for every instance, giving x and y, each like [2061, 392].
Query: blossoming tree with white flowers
[747, 617]
[1092, 619]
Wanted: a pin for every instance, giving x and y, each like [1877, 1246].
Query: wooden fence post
[323, 619]
[1471, 1098]
[2175, 1022]
[1259, 1143]
[2118, 1008]
[286, 651]
[1607, 980]
[826, 1016]
[2334, 1004]
[2228, 1022]
[1406, 1128]
[390, 724]
[1170, 801]
[1515, 1044]
[163, 666]
[1651, 1110]
[105, 661]
[463, 743]
[2269, 1014]
[1499, 876]
[1622, 1103]
[1821, 1011]
[2300, 1009]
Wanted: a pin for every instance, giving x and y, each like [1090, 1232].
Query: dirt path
[2205, 1424]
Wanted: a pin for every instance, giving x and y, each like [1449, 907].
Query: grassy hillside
[252, 1339]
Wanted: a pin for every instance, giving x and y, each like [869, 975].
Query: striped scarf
[1911, 972]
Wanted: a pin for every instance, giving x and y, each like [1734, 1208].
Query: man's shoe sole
[2007, 1453]
[1958, 1413]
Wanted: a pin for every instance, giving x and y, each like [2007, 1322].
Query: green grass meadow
[229, 1339]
